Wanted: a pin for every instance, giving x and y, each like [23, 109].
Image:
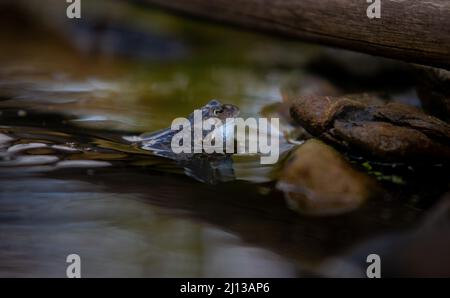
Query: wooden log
[410, 30]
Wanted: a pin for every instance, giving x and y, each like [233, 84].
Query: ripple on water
[5, 139]
[24, 147]
[30, 160]
[82, 164]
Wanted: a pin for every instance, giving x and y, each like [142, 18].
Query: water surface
[70, 184]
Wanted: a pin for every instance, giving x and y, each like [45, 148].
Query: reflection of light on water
[115, 235]
[225, 256]
[5, 139]
[91, 118]
[91, 85]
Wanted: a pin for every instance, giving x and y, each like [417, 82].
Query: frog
[159, 142]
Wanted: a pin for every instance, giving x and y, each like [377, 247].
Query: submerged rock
[317, 180]
[393, 131]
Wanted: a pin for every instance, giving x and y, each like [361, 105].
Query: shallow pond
[70, 184]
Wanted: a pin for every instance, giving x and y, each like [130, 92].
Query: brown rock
[404, 115]
[317, 113]
[433, 88]
[392, 131]
[317, 180]
[389, 141]
[304, 86]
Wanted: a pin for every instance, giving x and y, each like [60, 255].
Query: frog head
[216, 109]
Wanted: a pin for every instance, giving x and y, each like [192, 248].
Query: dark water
[70, 184]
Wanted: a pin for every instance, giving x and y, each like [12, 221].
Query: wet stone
[392, 131]
[317, 180]
[389, 141]
[433, 88]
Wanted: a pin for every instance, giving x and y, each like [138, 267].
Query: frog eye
[217, 111]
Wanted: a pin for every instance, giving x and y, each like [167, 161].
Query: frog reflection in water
[204, 167]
